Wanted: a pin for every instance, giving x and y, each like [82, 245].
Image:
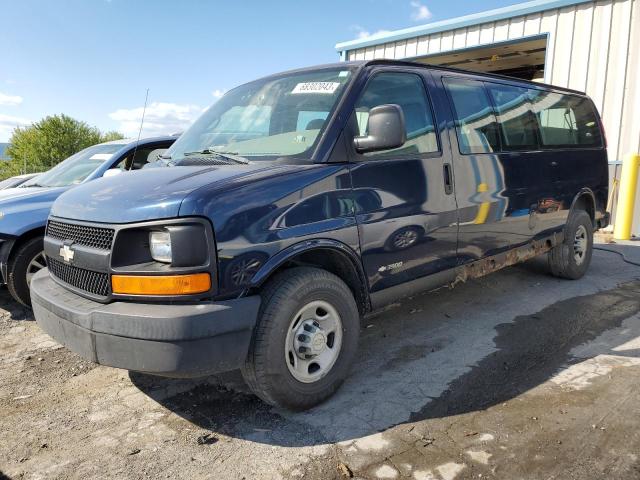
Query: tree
[42, 145]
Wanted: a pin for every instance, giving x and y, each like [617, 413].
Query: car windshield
[76, 168]
[262, 120]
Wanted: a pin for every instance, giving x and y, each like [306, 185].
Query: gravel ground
[516, 375]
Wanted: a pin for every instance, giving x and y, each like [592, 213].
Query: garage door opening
[520, 59]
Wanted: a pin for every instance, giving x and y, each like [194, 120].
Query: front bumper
[174, 340]
[6, 244]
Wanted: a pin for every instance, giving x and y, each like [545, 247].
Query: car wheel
[404, 238]
[305, 340]
[242, 269]
[571, 258]
[24, 263]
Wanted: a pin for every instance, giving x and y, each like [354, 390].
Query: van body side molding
[479, 268]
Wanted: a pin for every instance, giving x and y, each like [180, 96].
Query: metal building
[591, 46]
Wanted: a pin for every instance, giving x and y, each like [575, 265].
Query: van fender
[280, 258]
[585, 192]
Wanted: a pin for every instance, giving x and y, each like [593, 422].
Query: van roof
[407, 63]
[460, 70]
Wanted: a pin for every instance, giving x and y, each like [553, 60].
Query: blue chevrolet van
[301, 201]
[24, 209]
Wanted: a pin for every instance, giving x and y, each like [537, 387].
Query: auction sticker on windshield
[101, 156]
[316, 87]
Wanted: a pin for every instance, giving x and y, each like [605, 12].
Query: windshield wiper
[32, 185]
[233, 156]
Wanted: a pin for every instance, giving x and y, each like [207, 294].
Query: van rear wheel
[305, 340]
[571, 258]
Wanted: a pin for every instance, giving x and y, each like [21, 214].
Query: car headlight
[160, 245]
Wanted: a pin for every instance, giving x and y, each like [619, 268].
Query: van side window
[518, 127]
[407, 91]
[474, 118]
[566, 120]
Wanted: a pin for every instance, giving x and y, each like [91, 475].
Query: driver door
[405, 205]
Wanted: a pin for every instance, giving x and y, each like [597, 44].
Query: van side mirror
[386, 129]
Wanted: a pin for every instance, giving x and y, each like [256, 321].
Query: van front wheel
[571, 258]
[305, 340]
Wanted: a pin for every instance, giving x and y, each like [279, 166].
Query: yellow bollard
[484, 207]
[626, 197]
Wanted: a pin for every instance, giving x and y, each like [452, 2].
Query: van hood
[147, 194]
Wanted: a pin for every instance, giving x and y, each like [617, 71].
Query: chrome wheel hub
[580, 244]
[313, 341]
[310, 340]
[37, 263]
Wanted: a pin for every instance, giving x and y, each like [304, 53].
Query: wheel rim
[405, 239]
[313, 342]
[580, 244]
[36, 264]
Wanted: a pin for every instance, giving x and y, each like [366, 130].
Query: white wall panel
[516, 28]
[399, 51]
[446, 42]
[473, 36]
[411, 49]
[434, 43]
[369, 53]
[580, 47]
[532, 24]
[563, 47]
[549, 24]
[630, 131]
[616, 73]
[389, 50]
[501, 31]
[423, 45]
[599, 52]
[460, 38]
[486, 33]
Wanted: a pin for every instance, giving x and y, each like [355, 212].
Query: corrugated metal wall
[592, 47]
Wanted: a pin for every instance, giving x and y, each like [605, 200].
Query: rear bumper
[603, 221]
[174, 340]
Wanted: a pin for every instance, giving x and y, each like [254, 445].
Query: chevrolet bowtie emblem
[66, 253]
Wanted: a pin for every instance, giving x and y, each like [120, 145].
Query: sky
[95, 59]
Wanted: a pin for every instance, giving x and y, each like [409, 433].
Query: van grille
[94, 237]
[96, 283]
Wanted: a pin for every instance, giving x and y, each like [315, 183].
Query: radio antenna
[144, 110]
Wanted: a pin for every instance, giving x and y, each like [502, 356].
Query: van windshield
[263, 120]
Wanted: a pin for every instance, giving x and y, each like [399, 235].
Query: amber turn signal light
[161, 284]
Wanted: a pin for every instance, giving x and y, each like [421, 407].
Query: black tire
[266, 371]
[562, 257]
[17, 269]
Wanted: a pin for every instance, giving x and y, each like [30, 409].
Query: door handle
[554, 164]
[448, 178]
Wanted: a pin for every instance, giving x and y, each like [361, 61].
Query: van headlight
[160, 246]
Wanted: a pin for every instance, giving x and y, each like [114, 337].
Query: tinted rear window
[475, 120]
[566, 120]
[494, 117]
[517, 123]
